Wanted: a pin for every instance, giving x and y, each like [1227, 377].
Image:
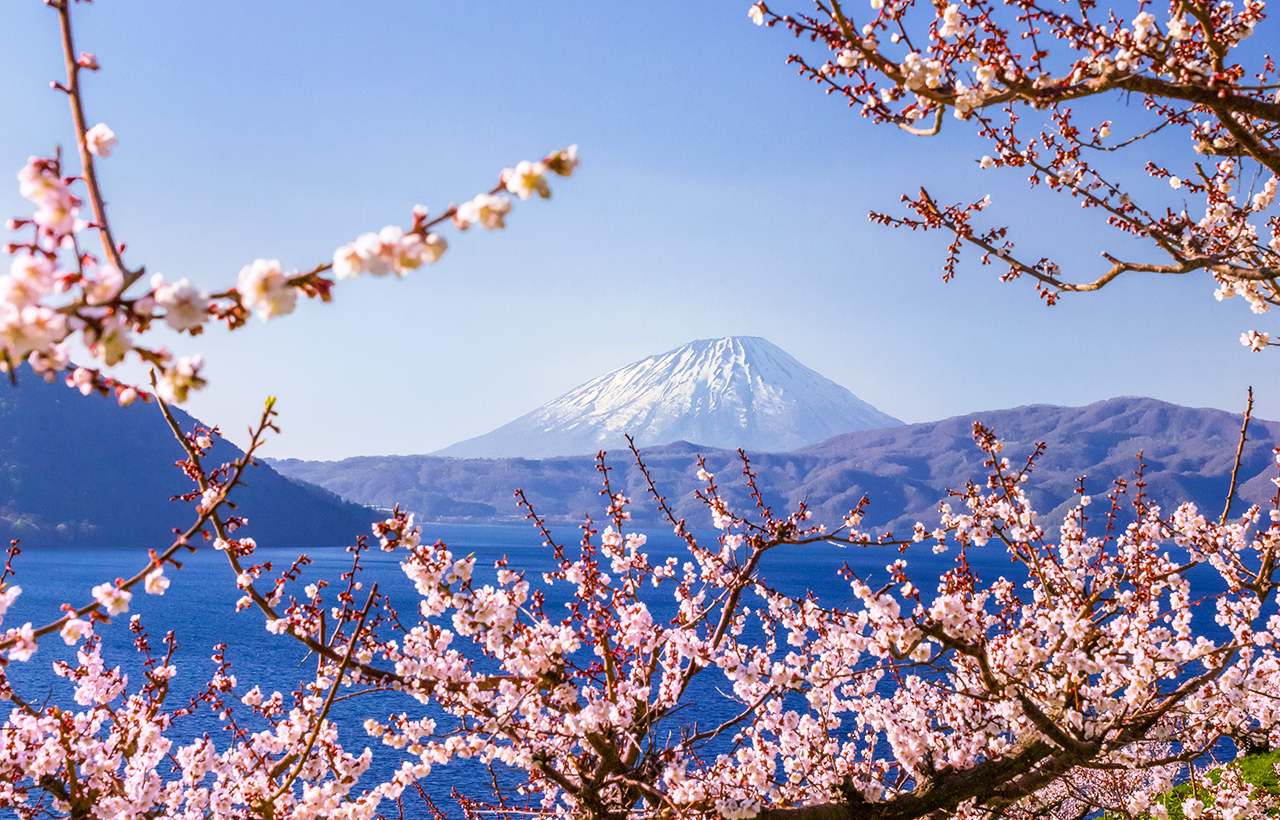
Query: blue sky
[719, 194]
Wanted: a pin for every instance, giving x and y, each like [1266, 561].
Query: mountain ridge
[905, 471]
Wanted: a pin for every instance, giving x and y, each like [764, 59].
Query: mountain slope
[83, 471]
[905, 470]
[739, 391]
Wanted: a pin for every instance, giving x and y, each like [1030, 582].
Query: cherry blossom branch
[912, 61]
[49, 299]
[72, 88]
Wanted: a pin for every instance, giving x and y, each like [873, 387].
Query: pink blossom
[348, 263]
[564, 162]
[100, 140]
[186, 306]
[114, 599]
[1254, 340]
[105, 287]
[265, 288]
[486, 209]
[7, 597]
[156, 582]
[37, 180]
[56, 215]
[32, 328]
[526, 179]
[82, 379]
[24, 643]
[50, 360]
[377, 250]
[74, 630]
[180, 378]
[36, 272]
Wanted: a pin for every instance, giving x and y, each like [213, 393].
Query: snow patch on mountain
[738, 391]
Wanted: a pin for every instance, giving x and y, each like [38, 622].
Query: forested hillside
[77, 470]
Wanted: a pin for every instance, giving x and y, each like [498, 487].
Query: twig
[328, 703]
[72, 90]
[1235, 469]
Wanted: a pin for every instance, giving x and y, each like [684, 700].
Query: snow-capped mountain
[739, 391]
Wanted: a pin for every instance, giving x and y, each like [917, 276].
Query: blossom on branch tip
[265, 288]
[1255, 340]
[1143, 25]
[526, 179]
[953, 23]
[100, 140]
[38, 179]
[563, 162]
[756, 13]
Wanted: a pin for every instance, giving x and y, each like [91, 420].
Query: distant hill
[81, 470]
[738, 391]
[904, 470]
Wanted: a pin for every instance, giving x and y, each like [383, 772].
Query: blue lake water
[199, 608]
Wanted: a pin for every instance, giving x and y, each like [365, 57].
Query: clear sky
[719, 194]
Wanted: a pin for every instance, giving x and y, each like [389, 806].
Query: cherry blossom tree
[1075, 95]
[1080, 680]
